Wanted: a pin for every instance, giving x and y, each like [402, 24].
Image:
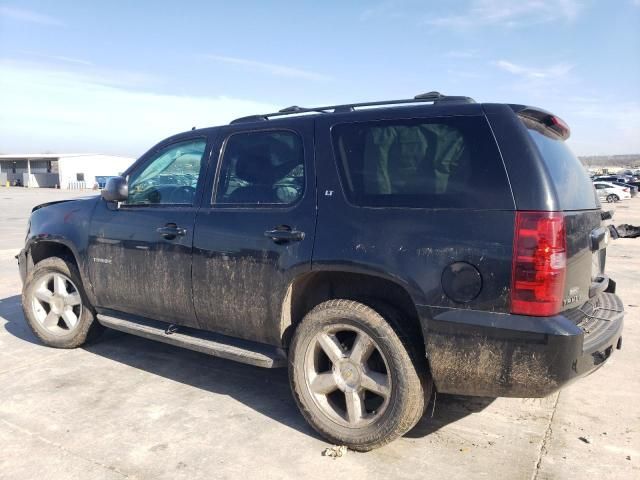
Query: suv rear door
[255, 231]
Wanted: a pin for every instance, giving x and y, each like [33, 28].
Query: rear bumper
[503, 355]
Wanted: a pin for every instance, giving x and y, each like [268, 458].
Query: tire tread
[89, 328]
[415, 388]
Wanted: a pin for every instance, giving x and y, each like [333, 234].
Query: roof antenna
[193, 128]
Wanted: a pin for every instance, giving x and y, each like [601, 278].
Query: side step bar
[244, 351]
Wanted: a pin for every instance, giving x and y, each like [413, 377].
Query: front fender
[63, 224]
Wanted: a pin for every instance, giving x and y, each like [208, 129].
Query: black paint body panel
[146, 275]
[64, 223]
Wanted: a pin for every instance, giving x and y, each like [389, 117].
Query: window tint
[170, 178]
[261, 168]
[448, 162]
[573, 185]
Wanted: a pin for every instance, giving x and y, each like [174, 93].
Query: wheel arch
[370, 288]
[38, 250]
[41, 249]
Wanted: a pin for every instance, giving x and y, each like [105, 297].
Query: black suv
[380, 253]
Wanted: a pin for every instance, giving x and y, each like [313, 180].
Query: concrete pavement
[125, 407]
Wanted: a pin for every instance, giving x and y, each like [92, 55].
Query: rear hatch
[586, 237]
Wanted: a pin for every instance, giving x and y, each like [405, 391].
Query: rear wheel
[356, 380]
[612, 198]
[56, 306]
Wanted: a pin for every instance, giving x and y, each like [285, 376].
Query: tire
[613, 198]
[53, 288]
[362, 404]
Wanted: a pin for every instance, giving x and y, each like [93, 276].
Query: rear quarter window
[445, 162]
[574, 189]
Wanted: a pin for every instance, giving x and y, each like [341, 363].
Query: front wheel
[56, 306]
[357, 380]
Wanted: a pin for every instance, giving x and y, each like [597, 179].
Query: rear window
[573, 186]
[450, 162]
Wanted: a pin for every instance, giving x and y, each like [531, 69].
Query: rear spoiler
[548, 119]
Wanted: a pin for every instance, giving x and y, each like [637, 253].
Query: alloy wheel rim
[56, 303]
[347, 375]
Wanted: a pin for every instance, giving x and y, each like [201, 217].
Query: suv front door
[140, 251]
[256, 233]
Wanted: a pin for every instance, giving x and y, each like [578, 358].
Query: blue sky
[118, 76]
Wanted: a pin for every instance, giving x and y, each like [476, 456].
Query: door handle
[170, 231]
[284, 234]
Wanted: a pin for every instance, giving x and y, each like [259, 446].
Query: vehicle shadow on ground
[444, 409]
[11, 311]
[264, 390]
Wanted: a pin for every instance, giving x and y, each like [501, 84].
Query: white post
[28, 172]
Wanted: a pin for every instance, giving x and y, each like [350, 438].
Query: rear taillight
[539, 263]
[560, 126]
[625, 190]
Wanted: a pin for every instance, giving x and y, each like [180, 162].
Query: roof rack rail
[434, 97]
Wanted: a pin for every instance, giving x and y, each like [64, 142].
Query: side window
[170, 177]
[261, 168]
[450, 162]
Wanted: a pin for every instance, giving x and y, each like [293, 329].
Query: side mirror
[116, 190]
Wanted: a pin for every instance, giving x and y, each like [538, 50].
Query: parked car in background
[610, 178]
[101, 180]
[611, 192]
[633, 185]
[633, 189]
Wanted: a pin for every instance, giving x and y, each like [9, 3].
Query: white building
[62, 170]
